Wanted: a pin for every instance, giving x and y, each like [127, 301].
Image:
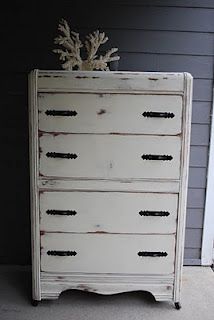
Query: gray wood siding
[152, 35]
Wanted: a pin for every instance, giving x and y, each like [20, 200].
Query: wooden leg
[34, 303]
[177, 305]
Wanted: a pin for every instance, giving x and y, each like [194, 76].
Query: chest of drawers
[109, 167]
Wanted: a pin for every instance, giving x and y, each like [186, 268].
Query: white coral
[72, 44]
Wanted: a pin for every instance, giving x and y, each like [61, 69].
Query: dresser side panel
[187, 111]
[34, 200]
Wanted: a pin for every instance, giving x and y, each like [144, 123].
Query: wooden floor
[197, 300]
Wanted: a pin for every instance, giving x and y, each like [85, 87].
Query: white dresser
[109, 158]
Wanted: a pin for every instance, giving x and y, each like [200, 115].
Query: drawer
[109, 156]
[105, 113]
[142, 254]
[114, 212]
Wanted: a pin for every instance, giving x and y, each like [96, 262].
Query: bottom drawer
[107, 253]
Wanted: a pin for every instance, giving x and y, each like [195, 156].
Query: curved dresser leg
[35, 302]
[177, 305]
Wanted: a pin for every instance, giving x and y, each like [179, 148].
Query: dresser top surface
[110, 74]
[112, 81]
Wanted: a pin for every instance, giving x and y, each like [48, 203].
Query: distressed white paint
[108, 253]
[97, 172]
[117, 81]
[110, 156]
[52, 284]
[104, 113]
[187, 111]
[124, 185]
[113, 212]
[207, 256]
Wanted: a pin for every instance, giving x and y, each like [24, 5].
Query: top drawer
[110, 113]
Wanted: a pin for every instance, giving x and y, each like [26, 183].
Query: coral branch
[102, 62]
[71, 42]
[94, 40]
[71, 55]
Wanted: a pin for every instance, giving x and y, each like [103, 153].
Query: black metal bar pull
[152, 254]
[61, 212]
[62, 113]
[61, 155]
[61, 253]
[148, 213]
[162, 157]
[152, 114]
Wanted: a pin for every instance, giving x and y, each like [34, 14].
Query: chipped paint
[118, 133]
[101, 111]
[55, 134]
[44, 76]
[86, 77]
[40, 133]
[51, 76]
[82, 77]
[85, 288]
[98, 232]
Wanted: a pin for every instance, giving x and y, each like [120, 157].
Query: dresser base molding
[52, 285]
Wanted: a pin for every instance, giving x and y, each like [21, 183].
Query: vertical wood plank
[34, 151]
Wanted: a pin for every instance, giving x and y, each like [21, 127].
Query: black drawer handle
[61, 253]
[151, 114]
[61, 155]
[152, 254]
[61, 212]
[162, 157]
[62, 113]
[148, 213]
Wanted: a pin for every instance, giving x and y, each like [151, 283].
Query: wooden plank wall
[152, 35]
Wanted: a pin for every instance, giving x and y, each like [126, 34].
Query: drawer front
[110, 156]
[116, 212]
[105, 113]
[142, 254]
